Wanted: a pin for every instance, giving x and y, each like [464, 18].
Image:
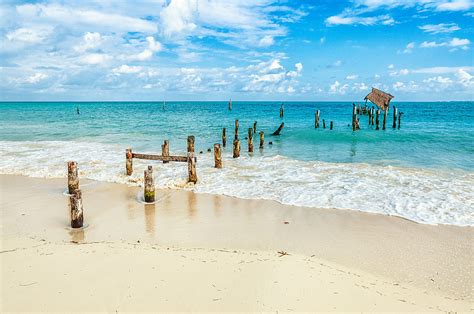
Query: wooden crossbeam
[159, 157]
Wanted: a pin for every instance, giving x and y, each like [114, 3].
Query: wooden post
[236, 153]
[395, 113]
[324, 124]
[354, 117]
[262, 139]
[250, 140]
[384, 119]
[255, 127]
[165, 150]
[224, 138]
[236, 129]
[192, 175]
[282, 111]
[277, 132]
[149, 189]
[373, 114]
[370, 117]
[72, 177]
[399, 119]
[191, 144]
[316, 119]
[77, 211]
[217, 156]
[377, 121]
[331, 125]
[129, 161]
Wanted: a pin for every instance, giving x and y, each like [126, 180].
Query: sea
[422, 171]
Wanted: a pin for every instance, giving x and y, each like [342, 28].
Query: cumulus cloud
[454, 43]
[439, 28]
[30, 35]
[354, 20]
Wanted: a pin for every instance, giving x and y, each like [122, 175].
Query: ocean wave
[422, 195]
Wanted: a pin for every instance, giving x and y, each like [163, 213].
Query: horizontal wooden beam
[159, 157]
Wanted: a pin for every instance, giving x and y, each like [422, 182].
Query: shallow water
[423, 171]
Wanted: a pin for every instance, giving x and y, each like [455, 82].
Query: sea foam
[422, 195]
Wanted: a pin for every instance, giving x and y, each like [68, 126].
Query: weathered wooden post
[165, 150]
[129, 161]
[72, 177]
[354, 117]
[324, 124]
[282, 111]
[262, 139]
[236, 129]
[384, 124]
[217, 156]
[191, 144]
[224, 138]
[255, 127]
[149, 185]
[395, 113]
[250, 140]
[377, 121]
[316, 119]
[236, 152]
[331, 125]
[192, 175]
[372, 116]
[77, 211]
[278, 131]
[399, 118]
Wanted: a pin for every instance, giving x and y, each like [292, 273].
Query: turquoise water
[427, 163]
[432, 134]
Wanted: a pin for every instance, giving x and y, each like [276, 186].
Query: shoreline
[434, 260]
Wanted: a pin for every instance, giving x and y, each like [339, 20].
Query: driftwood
[149, 185]
[72, 177]
[77, 211]
[277, 132]
[217, 156]
[158, 157]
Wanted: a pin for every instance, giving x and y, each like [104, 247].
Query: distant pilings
[224, 138]
[282, 111]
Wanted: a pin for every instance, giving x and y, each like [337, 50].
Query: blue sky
[239, 49]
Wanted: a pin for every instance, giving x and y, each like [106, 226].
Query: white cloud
[400, 72]
[354, 20]
[126, 69]
[391, 66]
[462, 43]
[455, 5]
[322, 40]
[95, 58]
[36, 78]
[91, 40]
[30, 35]
[464, 78]
[266, 41]
[439, 28]
[442, 70]
[409, 48]
[352, 77]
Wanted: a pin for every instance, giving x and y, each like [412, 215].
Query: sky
[318, 50]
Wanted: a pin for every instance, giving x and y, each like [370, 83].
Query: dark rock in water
[209, 150]
[200, 152]
[246, 137]
[270, 143]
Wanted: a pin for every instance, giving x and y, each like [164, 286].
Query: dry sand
[215, 253]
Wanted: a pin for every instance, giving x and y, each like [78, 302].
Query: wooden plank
[159, 157]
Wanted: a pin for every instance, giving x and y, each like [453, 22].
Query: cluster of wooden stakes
[75, 195]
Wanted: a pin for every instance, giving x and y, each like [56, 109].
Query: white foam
[426, 196]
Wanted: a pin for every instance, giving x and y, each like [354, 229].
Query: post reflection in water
[77, 235]
[150, 223]
[217, 205]
[191, 204]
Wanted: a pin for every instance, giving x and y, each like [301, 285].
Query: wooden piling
[262, 139]
[324, 124]
[377, 121]
[217, 156]
[72, 177]
[192, 175]
[282, 111]
[316, 119]
[191, 144]
[370, 117]
[277, 132]
[77, 211]
[149, 185]
[384, 124]
[399, 118]
[129, 161]
[224, 138]
[373, 114]
[331, 125]
[236, 129]
[395, 113]
[354, 117]
[255, 127]
[236, 151]
[165, 150]
[250, 140]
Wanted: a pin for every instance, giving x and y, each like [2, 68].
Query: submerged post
[331, 125]
[316, 119]
[224, 138]
[129, 161]
[72, 177]
[324, 124]
[250, 140]
[236, 152]
[236, 129]
[282, 111]
[255, 127]
[77, 211]
[217, 156]
[278, 131]
[149, 185]
[191, 144]
[165, 150]
[192, 175]
[395, 112]
[377, 122]
[262, 139]
[399, 118]
[384, 125]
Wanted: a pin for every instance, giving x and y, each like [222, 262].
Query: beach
[204, 252]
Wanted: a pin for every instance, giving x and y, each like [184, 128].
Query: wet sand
[208, 252]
